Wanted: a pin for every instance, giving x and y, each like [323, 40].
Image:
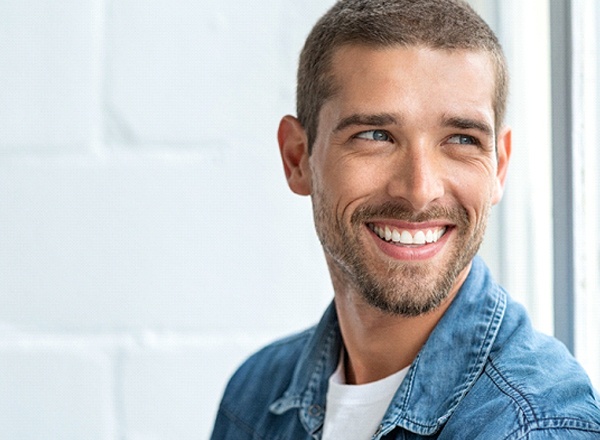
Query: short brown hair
[438, 24]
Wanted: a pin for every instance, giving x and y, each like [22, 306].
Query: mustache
[402, 212]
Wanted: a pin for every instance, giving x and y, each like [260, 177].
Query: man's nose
[417, 176]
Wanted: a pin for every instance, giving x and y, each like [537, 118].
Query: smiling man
[400, 143]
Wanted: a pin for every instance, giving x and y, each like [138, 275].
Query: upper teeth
[406, 237]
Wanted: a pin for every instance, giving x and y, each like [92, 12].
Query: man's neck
[377, 343]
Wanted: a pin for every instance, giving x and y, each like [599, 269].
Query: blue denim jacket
[484, 373]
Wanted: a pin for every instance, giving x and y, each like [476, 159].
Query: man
[401, 145]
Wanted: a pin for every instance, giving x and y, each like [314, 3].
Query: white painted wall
[148, 241]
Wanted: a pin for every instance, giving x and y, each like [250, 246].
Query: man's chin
[410, 288]
[406, 298]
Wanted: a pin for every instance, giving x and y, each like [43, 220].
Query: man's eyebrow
[468, 124]
[366, 119]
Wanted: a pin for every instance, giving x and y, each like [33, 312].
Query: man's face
[404, 171]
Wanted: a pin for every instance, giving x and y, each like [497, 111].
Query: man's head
[438, 24]
[405, 157]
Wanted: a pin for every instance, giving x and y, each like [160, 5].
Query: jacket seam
[516, 391]
[537, 428]
[240, 423]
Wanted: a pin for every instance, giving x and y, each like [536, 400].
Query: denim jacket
[484, 373]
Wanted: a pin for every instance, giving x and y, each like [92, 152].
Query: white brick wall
[148, 242]
[46, 71]
[56, 387]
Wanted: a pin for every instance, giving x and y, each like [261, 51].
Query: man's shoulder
[259, 381]
[540, 369]
[532, 400]
[276, 360]
[531, 387]
[265, 375]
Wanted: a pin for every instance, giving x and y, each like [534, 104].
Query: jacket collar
[308, 388]
[438, 379]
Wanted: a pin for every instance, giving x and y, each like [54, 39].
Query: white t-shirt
[354, 412]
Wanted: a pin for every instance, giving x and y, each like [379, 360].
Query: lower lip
[410, 253]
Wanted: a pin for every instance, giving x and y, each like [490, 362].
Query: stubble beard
[399, 288]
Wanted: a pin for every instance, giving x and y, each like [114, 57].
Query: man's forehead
[352, 53]
[368, 76]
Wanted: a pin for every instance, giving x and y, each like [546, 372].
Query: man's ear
[293, 146]
[503, 149]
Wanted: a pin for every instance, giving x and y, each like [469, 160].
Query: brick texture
[145, 222]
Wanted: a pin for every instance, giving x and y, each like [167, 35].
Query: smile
[418, 237]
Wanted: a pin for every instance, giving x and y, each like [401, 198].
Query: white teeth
[419, 238]
[406, 238]
[429, 236]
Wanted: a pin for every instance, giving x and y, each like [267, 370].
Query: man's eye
[463, 139]
[375, 135]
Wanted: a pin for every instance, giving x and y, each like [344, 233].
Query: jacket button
[315, 410]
